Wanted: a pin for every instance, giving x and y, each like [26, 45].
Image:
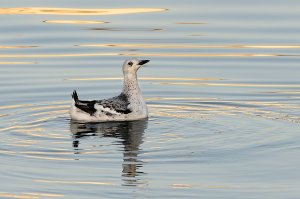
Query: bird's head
[132, 65]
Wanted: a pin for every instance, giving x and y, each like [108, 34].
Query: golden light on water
[21, 196]
[206, 55]
[76, 11]
[7, 153]
[48, 158]
[283, 92]
[191, 23]
[126, 29]
[181, 186]
[16, 63]
[56, 55]
[197, 35]
[217, 89]
[44, 194]
[74, 22]
[185, 108]
[144, 54]
[29, 195]
[15, 106]
[16, 127]
[74, 182]
[144, 78]
[47, 153]
[140, 45]
[51, 113]
[16, 47]
[231, 84]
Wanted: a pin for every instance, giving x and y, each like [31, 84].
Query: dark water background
[222, 87]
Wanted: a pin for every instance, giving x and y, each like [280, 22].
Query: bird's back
[117, 108]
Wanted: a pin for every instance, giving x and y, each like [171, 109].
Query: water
[222, 89]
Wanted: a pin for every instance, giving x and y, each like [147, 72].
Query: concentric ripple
[42, 134]
[222, 90]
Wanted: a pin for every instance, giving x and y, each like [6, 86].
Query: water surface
[222, 87]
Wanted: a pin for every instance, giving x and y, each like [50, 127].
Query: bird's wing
[111, 106]
[114, 105]
[86, 106]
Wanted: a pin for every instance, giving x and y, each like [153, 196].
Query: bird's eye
[130, 63]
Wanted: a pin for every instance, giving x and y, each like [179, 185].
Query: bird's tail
[75, 96]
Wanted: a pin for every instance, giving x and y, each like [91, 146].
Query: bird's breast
[137, 104]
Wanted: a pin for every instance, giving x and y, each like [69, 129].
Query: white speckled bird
[129, 105]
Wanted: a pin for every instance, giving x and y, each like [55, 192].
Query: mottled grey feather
[119, 103]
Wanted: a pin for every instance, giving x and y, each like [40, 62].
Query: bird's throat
[130, 84]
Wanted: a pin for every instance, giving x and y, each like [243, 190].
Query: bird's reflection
[131, 136]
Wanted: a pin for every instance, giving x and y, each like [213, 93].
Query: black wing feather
[119, 104]
[86, 106]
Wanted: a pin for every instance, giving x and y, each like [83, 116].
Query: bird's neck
[132, 90]
[131, 85]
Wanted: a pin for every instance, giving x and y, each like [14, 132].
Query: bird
[129, 105]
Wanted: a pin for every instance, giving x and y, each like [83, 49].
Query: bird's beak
[142, 62]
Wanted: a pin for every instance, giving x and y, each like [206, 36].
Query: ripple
[75, 11]
[191, 23]
[283, 92]
[35, 135]
[56, 55]
[30, 195]
[16, 47]
[181, 186]
[126, 29]
[74, 182]
[185, 46]
[198, 35]
[33, 118]
[44, 194]
[16, 63]
[15, 106]
[240, 120]
[144, 78]
[74, 22]
[143, 54]
[22, 196]
[201, 109]
[49, 158]
[231, 84]
[208, 55]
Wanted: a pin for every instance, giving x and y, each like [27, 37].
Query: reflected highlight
[143, 54]
[16, 47]
[191, 23]
[144, 78]
[22, 196]
[181, 186]
[74, 22]
[140, 45]
[232, 84]
[208, 55]
[44, 194]
[16, 63]
[74, 182]
[29, 195]
[48, 158]
[127, 29]
[75, 11]
[57, 55]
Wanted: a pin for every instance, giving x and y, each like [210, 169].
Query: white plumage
[129, 105]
